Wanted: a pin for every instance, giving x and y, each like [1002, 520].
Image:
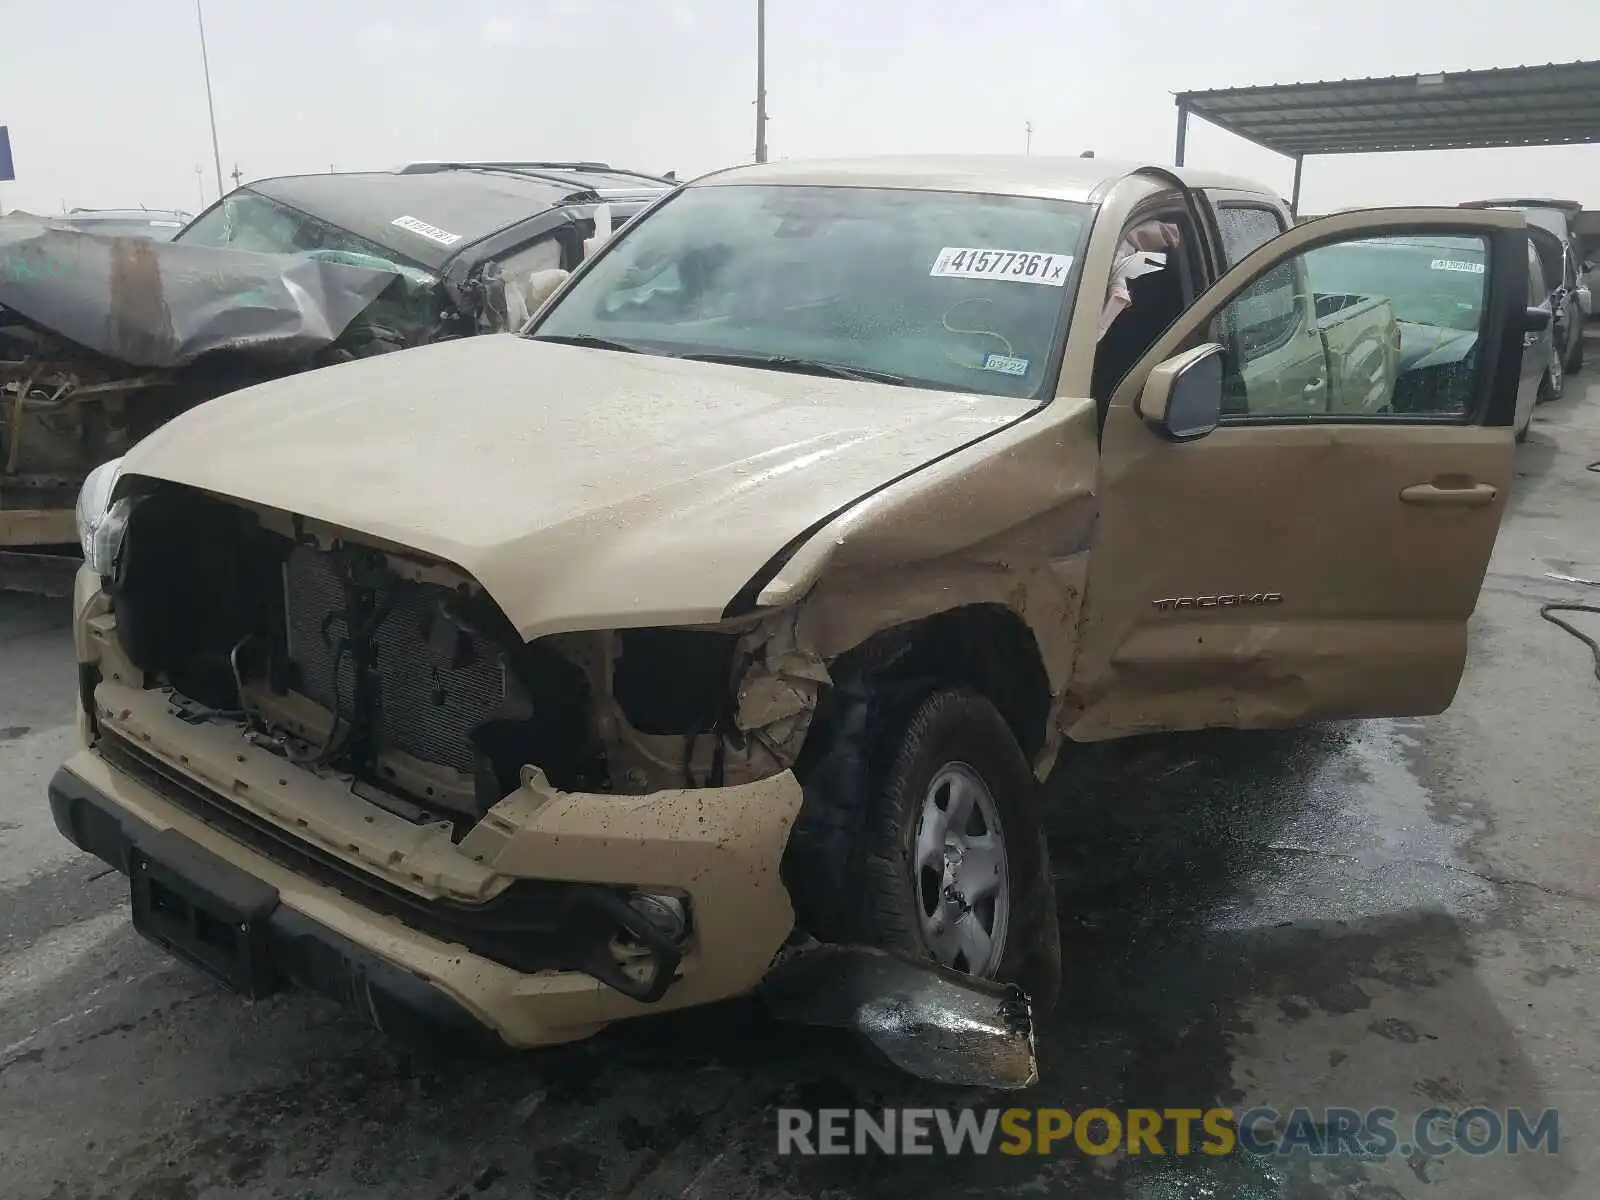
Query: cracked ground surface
[1393, 913]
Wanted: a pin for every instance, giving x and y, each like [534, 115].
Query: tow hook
[930, 1021]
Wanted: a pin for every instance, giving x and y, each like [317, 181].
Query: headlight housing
[100, 523]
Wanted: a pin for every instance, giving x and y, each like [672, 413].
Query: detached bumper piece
[932, 1022]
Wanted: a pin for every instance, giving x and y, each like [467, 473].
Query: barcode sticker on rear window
[422, 229]
[1450, 264]
[1018, 266]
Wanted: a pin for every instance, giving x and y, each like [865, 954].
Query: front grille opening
[422, 694]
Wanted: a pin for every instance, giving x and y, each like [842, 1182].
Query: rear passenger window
[1243, 229]
[1267, 314]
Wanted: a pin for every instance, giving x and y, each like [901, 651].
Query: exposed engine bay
[404, 678]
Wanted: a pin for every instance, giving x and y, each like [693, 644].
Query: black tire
[954, 726]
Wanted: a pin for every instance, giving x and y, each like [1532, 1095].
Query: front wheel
[957, 867]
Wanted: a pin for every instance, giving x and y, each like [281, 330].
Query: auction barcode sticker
[1019, 266]
[422, 229]
[1450, 264]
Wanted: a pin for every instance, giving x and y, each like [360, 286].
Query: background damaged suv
[716, 632]
[105, 335]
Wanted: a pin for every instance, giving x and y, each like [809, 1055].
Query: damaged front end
[610, 804]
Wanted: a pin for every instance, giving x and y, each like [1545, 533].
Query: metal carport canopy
[1556, 105]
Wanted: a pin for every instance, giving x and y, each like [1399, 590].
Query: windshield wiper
[802, 366]
[585, 339]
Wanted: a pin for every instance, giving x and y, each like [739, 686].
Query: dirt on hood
[582, 488]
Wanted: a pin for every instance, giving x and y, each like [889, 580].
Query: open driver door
[1256, 566]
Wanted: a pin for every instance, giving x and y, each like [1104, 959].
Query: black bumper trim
[300, 950]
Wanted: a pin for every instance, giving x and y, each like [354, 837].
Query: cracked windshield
[934, 289]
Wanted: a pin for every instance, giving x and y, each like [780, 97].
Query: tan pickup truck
[712, 636]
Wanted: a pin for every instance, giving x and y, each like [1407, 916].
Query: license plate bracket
[203, 910]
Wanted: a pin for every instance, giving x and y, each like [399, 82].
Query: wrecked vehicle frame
[673, 669]
[102, 341]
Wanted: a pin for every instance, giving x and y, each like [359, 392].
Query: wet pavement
[1391, 913]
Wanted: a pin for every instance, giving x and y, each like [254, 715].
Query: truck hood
[584, 489]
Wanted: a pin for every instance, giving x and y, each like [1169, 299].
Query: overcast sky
[106, 101]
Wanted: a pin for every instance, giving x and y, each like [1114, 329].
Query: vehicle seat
[1157, 300]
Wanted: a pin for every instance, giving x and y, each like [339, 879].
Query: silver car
[1539, 358]
[1566, 276]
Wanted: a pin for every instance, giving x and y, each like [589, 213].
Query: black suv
[107, 335]
[461, 234]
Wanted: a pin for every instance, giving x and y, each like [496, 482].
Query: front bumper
[298, 949]
[321, 937]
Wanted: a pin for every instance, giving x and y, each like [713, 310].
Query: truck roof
[1058, 178]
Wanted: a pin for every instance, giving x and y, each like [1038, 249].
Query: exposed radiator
[426, 707]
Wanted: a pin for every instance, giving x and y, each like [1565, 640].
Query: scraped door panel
[1289, 568]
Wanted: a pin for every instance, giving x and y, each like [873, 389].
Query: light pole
[200, 186]
[761, 81]
[1028, 130]
[211, 108]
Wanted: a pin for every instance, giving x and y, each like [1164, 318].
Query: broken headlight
[101, 524]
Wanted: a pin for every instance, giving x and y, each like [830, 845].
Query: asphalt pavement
[1391, 913]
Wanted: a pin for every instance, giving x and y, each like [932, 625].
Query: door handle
[1471, 495]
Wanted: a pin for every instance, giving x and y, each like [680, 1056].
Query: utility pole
[1028, 129]
[200, 185]
[205, 64]
[237, 174]
[761, 81]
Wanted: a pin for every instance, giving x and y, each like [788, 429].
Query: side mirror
[1536, 320]
[1182, 399]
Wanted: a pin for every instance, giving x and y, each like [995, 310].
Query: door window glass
[1374, 327]
[1245, 228]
